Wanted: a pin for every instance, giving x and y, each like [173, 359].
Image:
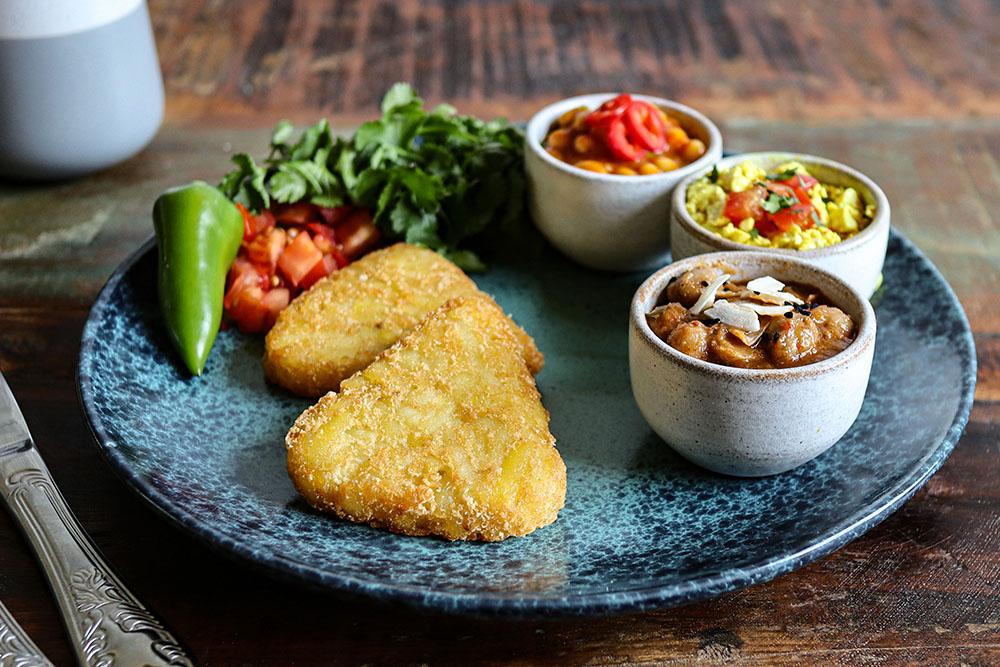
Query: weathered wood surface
[808, 59]
[922, 588]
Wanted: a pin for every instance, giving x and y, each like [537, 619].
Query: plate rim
[705, 584]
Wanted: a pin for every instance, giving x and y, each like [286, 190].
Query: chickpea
[592, 165]
[567, 118]
[555, 153]
[677, 137]
[625, 171]
[664, 163]
[583, 144]
[694, 150]
[559, 139]
[648, 168]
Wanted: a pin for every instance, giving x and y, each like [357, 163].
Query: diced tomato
[299, 258]
[255, 224]
[797, 214]
[248, 310]
[804, 181]
[645, 127]
[300, 213]
[333, 215]
[323, 236]
[765, 227]
[265, 249]
[242, 275]
[275, 301]
[324, 267]
[357, 234]
[746, 204]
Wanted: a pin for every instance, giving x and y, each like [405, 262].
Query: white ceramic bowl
[858, 260]
[606, 221]
[749, 422]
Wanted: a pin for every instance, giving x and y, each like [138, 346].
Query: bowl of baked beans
[601, 169]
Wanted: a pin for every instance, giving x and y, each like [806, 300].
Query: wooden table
[905, 92]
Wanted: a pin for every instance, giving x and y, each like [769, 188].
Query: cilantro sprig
[435, 178]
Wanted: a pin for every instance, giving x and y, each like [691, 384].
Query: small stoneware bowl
[749, 422]
[857, 260]
[606, 221]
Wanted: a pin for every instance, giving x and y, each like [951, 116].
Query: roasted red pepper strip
[645, 127]
[618, 142]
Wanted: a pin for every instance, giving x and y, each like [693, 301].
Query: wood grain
[905, 91]
[805, 60]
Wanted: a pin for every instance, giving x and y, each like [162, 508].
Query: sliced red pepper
[609, 111]
[645, 127]
[617, 142]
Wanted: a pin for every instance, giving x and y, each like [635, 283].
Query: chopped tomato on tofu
[796, 214]
[287, 250]
[746, 204]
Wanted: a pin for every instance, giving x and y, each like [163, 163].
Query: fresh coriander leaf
[784, 175]
[466, 260]
[713, 177]
[754, 234]
[282, 133]
[288, 186]
[245, 184]
[399, 95]
[776, 202]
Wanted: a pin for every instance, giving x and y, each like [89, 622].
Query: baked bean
[677, 138]
[592, 165]
[694, 150]
[625, 171]
[559, 139]
[583, 143]
[647, 168]
[664, 163]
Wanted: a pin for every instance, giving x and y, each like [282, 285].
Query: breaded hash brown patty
[340, 325]
[444, 434]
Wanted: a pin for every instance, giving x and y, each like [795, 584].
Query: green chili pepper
[198, 232]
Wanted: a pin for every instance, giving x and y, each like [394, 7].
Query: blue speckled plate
[641, 527]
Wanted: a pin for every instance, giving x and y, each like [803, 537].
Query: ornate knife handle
[16, 647]
[108, 626]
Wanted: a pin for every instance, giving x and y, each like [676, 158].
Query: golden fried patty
[340, 325]
[444, 434]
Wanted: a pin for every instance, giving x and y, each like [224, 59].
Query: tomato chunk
[300, 213]
[324, 267]
[357, 234]
[299, 258]
[797, 214]
[265, 249]
[746, 204]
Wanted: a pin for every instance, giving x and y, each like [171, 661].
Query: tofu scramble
[787, 208]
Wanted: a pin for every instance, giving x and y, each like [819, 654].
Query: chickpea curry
[760, 323]
[623, 136]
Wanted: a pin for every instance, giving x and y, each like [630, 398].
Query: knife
[16, 647]
[107, 624]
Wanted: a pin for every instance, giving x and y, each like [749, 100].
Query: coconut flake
[761, 309]
[765, 284]
[708, 294]
[734, 315]
[770, 290]
[749, 338]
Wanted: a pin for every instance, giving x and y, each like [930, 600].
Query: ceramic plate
[641, 528]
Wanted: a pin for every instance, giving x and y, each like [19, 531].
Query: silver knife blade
[14, 435]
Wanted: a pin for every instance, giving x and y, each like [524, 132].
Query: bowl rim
[879, 224]
[655, 283]
[543, 118]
